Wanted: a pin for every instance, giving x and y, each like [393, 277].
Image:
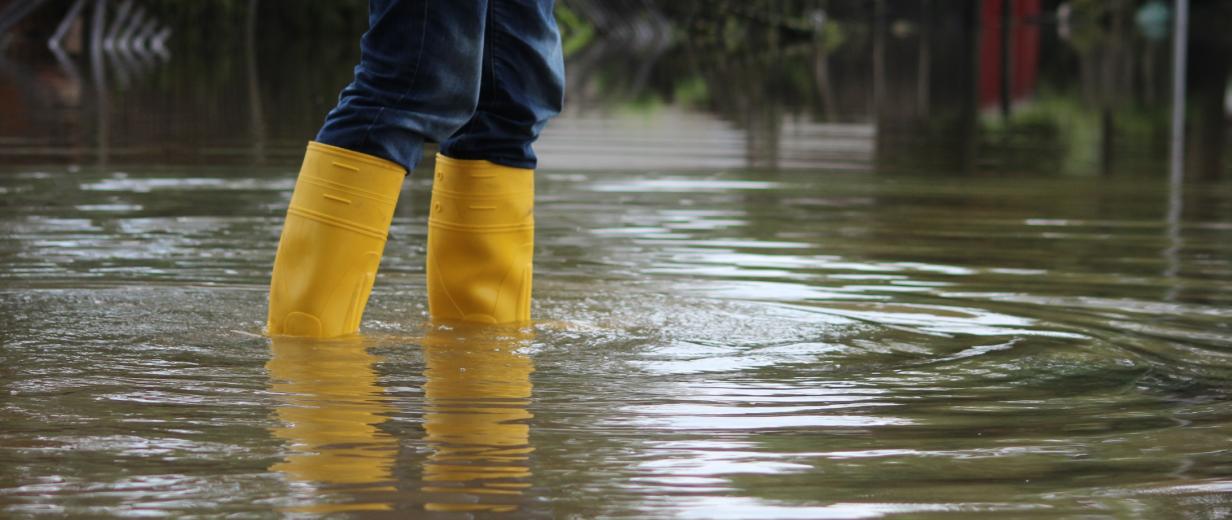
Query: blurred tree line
[908, 64]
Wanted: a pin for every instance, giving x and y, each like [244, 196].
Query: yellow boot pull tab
[481, 239]
[332, 242]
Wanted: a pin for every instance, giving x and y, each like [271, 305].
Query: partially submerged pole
[99, 73]
[1176, 174]
[1007, 25]
[1180, 37]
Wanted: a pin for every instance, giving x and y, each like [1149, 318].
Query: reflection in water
[331, 412]
[477, 392]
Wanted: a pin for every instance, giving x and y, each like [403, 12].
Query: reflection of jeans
[481, 77]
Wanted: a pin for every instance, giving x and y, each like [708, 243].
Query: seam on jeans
[486, 75]
[423, 37]
[498, 9]
[497, 37]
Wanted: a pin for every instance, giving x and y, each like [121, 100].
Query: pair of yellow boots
[481, 233]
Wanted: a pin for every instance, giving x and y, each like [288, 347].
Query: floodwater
[709, 345]
[799, 322]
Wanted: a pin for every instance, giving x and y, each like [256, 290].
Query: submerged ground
[768, 284]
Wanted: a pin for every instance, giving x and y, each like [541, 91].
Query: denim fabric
[480, 77]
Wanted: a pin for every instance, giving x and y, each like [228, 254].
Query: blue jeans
[480, 77]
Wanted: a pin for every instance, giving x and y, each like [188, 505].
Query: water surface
[709, 344]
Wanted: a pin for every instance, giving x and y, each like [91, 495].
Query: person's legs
[523, 85]
[418, 78]
[481, 227]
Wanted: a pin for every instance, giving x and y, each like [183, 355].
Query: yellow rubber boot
[481, 240]
[332, 242]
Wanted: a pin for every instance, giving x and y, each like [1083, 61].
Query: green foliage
[1076, 129]
[691, 91]
[575, 32]
[832, 36]
[1072, 127]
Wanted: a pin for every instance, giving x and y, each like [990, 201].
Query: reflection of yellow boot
[481, 239]
[476, 394]
[332, 242]
[330, 412]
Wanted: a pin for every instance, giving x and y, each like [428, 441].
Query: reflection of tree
[1096, 107]
[1209, 77]
[1111, 117]
[750, 73]
[927, 115]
